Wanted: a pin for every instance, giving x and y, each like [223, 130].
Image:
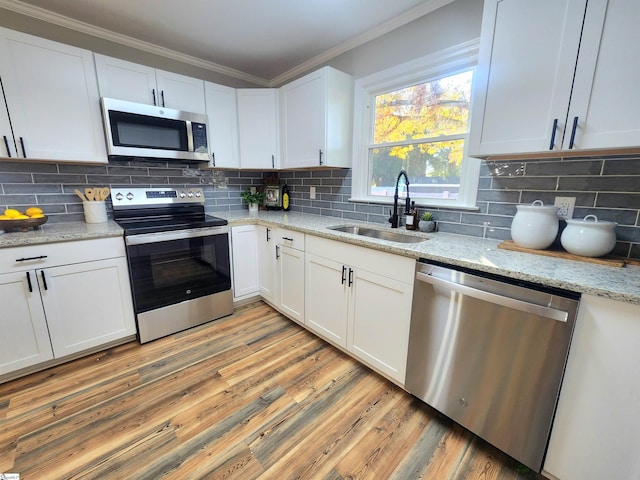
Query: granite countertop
[60, 232]
[621, 284]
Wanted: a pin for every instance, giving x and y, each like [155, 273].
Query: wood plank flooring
[250, 396]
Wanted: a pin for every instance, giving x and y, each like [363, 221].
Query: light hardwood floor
[250, 396]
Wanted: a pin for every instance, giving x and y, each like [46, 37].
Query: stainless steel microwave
[138, 130]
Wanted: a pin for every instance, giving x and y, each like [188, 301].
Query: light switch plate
[312, 193]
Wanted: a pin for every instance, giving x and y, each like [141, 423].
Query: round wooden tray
[22, 225]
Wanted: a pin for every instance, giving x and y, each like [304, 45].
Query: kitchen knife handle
[6, 144]
[553, 134]
[29, 283]
[24, 152]
[573, 132]
[44, 280]
[153, 92]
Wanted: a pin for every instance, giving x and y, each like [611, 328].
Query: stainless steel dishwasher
[489, 353]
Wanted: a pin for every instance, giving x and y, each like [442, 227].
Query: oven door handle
[156, 237]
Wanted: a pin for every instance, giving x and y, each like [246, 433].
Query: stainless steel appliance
[138, 130]
[178, 259]
[490, 352]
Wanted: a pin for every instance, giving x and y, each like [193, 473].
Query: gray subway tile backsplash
[607, 188]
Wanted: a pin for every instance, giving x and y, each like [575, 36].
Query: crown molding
[66, 22]
[408, 16]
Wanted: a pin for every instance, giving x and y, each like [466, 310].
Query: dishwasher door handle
[548, 312]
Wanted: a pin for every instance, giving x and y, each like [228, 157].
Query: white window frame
[444, 63]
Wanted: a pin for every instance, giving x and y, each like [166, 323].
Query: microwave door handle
[190, 147]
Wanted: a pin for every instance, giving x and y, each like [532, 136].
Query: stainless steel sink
[380, 234]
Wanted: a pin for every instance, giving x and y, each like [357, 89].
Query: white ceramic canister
[589, 237]
[535, 226]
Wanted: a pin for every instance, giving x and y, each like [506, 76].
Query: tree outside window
[421, 129]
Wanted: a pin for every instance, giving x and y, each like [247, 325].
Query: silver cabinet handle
[526, 307]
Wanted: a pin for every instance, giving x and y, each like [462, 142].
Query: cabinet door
[326, 298]
[379, 320]
[291, 282]
[180, 92]
[52, 97]
[523, 81]
[606, 74]
[303, 104]
[222, 110]
[244, 249]
[25, 338]
[258, 128]
[86, 304]
[316, 114]
[126, 80]
[596, 430]
[267, 262]
[7, 147]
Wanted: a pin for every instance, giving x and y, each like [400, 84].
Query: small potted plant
[253, 198]
[427, 223]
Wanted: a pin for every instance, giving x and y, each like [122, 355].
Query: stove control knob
[190, 194]
[198, 194]
[182, 195]
[119, 196]
[129, 196]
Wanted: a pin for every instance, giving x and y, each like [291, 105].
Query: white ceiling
[264, 41]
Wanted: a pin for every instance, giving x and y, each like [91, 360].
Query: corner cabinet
[596, 430]
[222, 110]
[351, 304]
[258, 128]
[290, 255]
[51, 97]
[244, 254]
[316, 114]
[526, 99]
[62, 299]
[142, 84]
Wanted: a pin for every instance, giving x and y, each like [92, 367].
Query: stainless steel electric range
[178, 258]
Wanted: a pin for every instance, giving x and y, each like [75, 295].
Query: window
[415, 117]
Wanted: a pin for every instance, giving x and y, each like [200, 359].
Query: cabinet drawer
[290, 238]
[388, 265]
[15, 259]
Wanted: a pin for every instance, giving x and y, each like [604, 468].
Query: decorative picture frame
[273, 198]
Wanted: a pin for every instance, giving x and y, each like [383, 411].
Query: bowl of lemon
[13, 220]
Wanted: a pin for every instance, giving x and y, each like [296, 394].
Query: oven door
[172, 267]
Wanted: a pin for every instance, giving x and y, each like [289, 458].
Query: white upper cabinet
[222, 111]
[258, 128]
[138, 83]
[52, 99]
[316, 120]
[526, 99]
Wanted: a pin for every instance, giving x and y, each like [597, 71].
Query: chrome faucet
[394, 219]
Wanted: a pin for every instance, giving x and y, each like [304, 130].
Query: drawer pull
[288, 239]
[26, 259]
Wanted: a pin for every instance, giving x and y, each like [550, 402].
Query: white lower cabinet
[360, 299]
[244, 251]
[596, 430]
[267, 262]
[290, 274]
[62, 299]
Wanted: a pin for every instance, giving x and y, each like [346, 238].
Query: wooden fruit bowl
[22, 225]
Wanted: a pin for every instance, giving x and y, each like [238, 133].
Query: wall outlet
[312, 192]
[565, 206]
